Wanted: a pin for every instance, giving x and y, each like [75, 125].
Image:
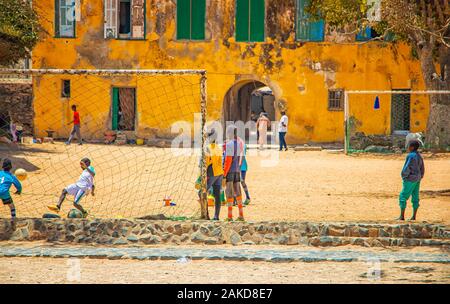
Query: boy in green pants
[412, 173]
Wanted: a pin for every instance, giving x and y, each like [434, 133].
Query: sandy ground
[312, 186]
[48, 270]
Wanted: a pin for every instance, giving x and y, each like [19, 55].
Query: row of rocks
[122, 232]
[377, 143]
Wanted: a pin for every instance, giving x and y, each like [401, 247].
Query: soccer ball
[74, 213]
[21, 174]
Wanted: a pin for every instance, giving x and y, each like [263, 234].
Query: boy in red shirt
[76, 126]
[232, 172]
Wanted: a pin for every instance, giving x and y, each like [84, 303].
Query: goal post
[134, 106]
[354, 120]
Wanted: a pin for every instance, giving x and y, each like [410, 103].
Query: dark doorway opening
[246, 97]
[245, 100]
[125, 18]
[124, 109]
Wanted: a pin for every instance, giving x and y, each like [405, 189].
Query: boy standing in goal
[244, 168]
[214, 171]
[232, 172]
[82, 187]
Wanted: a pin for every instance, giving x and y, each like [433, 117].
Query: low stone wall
[122, 232]
[377, 143]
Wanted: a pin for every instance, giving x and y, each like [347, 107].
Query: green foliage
[19, 30]
[339, 13]
[408, 20]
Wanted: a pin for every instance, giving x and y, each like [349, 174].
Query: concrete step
[184, 254]
[325, 241]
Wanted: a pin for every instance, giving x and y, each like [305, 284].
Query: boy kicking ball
[6, 180]
[412, 173]
[82, 187]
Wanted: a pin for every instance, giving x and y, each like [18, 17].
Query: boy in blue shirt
[6, 180]
[412, 173]
[244, 168]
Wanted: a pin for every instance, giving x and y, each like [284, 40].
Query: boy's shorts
[234, 177]
[7, 201]
[76, 192]
[243, 174]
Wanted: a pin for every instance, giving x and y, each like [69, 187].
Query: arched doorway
[246, 97]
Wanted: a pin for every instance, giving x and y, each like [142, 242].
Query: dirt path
[48, 270]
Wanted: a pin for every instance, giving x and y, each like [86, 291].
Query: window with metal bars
[400, 112]
[336, 100]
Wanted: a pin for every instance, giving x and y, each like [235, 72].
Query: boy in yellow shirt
[214, 171]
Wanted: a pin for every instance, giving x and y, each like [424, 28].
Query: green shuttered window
[191, 19]
[250, 16]
[308, 30]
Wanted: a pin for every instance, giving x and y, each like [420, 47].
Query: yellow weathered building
[302, 62]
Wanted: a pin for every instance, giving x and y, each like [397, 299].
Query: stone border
[123, 232]
[225, 254]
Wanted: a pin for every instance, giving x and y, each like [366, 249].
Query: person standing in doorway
[254, 118]
[13, 130]
[282, 130]
[76, 126]
[262, 126]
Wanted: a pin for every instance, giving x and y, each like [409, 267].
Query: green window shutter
[257, 17]
[365, 34]
[308, 30]
[57, 22]
[302, 31]
[183, 19]
[115, 109]
[242, 20]
[198, 19]
[390, 36]
[317, 30]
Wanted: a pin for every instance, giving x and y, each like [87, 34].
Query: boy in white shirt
[82, 187]
[282, 130]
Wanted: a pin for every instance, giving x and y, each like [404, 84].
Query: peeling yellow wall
[300, 74]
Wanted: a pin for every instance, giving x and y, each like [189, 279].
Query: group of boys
[227, 167]
[234, 171]
[78, 190]
[224, 166]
